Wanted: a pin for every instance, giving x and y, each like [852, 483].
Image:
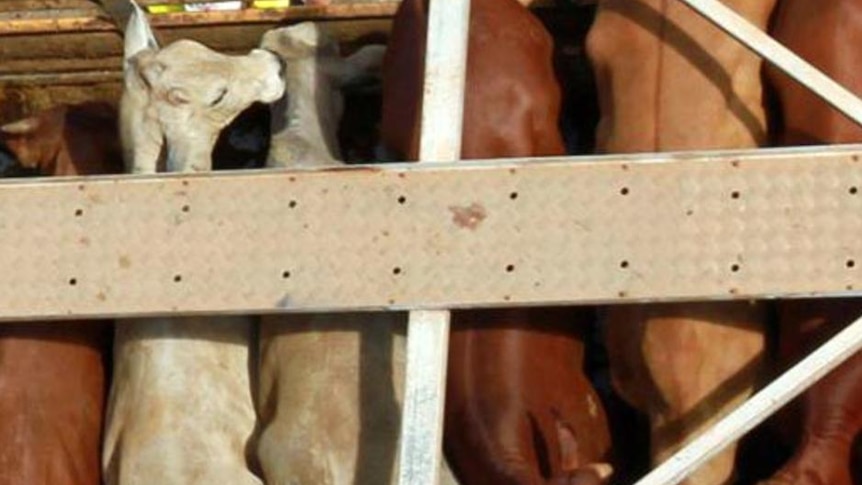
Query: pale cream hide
[305, 120]
[180, 409]
[331, 385]
[177, 99]
[670, 80]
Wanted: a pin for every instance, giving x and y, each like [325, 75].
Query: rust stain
[125, 262]
[350, 169]
[469, 217]
[85, 241]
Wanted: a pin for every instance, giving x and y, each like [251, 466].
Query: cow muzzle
[11, 167]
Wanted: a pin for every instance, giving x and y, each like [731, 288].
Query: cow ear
[144, 70]
[21, 127]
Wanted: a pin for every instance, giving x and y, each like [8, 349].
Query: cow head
[177, 99]
[305, 122]
[24, 149]
[64, 140]
[308, 41]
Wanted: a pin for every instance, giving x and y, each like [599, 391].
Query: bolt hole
[73, 281]
[79, 212]
[624, 191]
[186, 208]
[402, 199]
[292, 204]
[510, 268]
[624, 264]
[513, 195]
[735, 194]
[850, 263]
[178, 278]
[285, 274]
[734, 267]
[396, 270]
[853, 190]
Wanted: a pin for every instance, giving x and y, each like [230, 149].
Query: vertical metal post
[428, 331]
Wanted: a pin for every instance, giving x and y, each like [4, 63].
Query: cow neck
[309, 107]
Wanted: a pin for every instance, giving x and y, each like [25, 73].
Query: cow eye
[220, 97]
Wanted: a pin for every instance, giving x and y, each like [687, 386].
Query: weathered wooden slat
[661, 227]
[35, 5]
[99, 21]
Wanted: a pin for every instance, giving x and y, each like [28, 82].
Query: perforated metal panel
[742, 224]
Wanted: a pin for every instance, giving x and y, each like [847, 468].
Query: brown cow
[518, 409]
[832, 409]
[52, 375]
[669, 80]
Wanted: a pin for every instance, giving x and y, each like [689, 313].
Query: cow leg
[180, 409]
[519, 409]
[833, 419]
[686, 366]
[329, 398]
[832, 416]
[52, 393]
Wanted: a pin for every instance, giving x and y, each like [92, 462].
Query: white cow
[305, 120]
[331, 385]
[180, 409]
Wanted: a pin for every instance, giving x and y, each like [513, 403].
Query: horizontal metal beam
[500, 233]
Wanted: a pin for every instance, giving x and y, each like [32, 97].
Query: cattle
[330, 384]
[518, 407]
[305, 121]
[177, 100]
[181, 408]
[832, 408]
[667, 79]
[53, 375]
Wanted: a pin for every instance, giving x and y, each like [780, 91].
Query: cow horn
[21, 127]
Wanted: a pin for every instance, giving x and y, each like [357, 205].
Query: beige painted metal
[783, 58]
[421, 443]
[660, 227]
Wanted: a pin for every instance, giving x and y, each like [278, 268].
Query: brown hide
[519, 409]
[67, 140]
[668, 80]
[52, 375]
[822, 33]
